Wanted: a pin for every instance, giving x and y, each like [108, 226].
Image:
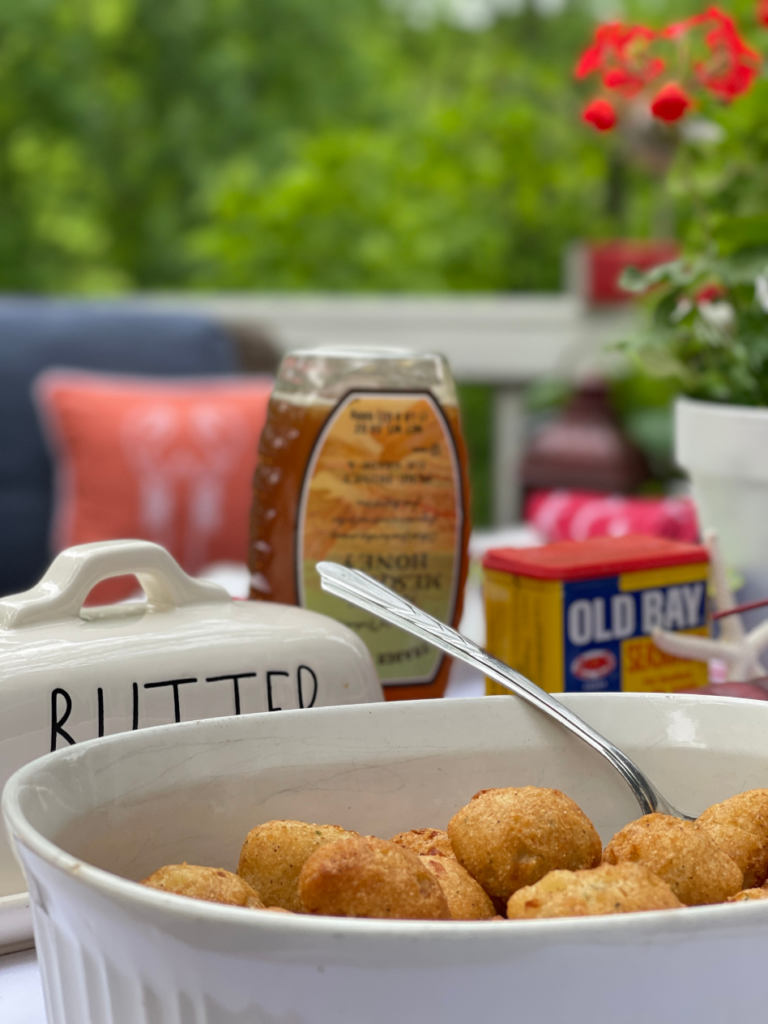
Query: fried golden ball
[425, 840]
[740, 827]
[200, 883]
[608, 889]
[274, 853]
[369, 877]
[467, 901]
[748, 894]
[508, 838]
[748, 810]
[682, 854]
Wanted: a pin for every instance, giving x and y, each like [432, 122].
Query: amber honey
[377, 480]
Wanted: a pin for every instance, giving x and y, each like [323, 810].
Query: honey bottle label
[382, 493]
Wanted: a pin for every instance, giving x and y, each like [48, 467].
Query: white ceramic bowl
[89, 818]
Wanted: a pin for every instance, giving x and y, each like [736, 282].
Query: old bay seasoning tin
[577, 616]
[362, 462]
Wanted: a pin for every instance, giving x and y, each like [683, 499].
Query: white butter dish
[69, 673]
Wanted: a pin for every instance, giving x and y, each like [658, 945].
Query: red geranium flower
[620, 54]
[601, 114]
[731, 66]
[762, 12]
[670, 102]
[710, 293]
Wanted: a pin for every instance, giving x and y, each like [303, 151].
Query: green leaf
[743, 267]
[634, 280]
[742, 232]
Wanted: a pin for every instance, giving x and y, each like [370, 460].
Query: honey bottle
[362, 462]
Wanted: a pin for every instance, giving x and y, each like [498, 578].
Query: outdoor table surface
[21, 994]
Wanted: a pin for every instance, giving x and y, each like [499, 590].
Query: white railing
[506, 340]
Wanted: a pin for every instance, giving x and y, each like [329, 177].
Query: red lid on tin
[598, 556]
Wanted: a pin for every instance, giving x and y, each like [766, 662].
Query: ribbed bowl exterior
[112, 952]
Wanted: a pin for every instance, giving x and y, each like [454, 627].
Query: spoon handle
[365, 592]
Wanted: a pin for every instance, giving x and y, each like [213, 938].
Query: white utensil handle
[75, 572]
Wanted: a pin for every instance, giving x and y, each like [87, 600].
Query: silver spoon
[367, 593]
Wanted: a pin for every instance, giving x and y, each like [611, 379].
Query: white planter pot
[724, 450]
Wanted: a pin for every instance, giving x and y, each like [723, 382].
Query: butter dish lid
[597, 556]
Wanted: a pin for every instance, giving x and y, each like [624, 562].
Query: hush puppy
[200, 883]
[509, 838]
[369, 877]
[681, 853]
[467, 901]
[425, 840]
[740, 827]
[274, 853]
[748, 894]
[608, 889]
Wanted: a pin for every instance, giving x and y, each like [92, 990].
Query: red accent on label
[596, 663]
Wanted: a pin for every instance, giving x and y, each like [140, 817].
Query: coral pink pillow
[167, 460]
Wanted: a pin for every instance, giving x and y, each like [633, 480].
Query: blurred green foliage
[288, 144]
[294, 144]
[714, 350]
[476, 403]
[713, 181]
[476, 178]
[116, 114]
[644, 406]
[709, 328]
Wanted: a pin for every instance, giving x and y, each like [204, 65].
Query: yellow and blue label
[595, 635]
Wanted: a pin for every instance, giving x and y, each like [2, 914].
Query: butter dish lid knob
[75, 572]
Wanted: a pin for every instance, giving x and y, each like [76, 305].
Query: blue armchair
[36, 334]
